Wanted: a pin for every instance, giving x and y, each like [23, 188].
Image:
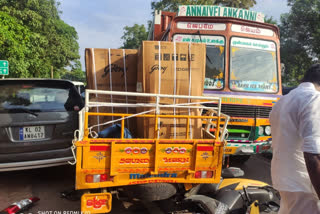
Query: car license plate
[31, 133]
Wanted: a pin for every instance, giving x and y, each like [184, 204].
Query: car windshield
[253, 66]
[214, 77]
[32, 98]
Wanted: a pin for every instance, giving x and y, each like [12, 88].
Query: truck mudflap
[238, 148]
[96, 203]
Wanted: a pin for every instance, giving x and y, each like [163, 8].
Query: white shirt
[295, 128]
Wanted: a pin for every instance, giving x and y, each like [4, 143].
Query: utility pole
[51, 72]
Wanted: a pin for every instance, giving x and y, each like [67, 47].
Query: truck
[242, 67]
[178, 165]
[186, 174]
[117, 161]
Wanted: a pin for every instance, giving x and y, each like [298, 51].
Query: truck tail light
[203, 174]
[197, 174]
[97, 178]
[89, 178]
[209, 174]
[103, 177]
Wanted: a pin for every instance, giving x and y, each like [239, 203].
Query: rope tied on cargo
[189, 90]
[175, 89]
[110, 79]
[95, 81]
[73, 147]
[125, 80]
[159, 89]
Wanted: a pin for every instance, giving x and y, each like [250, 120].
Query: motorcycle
[233, 195]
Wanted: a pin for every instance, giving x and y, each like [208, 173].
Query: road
[47, 183]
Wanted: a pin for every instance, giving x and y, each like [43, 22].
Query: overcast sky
[100, 23]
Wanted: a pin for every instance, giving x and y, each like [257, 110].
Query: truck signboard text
[213, 10]
[201, 26]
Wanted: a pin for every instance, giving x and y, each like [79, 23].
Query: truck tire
[152, 192]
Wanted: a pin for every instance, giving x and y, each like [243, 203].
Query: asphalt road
[48, 183]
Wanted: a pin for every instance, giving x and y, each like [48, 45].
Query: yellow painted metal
[156, 131]
[229, 150]
[112, 157]
[140, 161]
[187, 186]
[241, 182]
[122, 128]
[156, 160]
[263, 138]
[137, 161]
[254, 208]
[96, 203]
[188, 129]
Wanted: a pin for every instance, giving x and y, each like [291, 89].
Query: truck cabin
[242, 64]
[249, 50]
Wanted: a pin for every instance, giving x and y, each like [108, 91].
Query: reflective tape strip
[205, 148]
[95, 83]
[241, 141]
[99, 148]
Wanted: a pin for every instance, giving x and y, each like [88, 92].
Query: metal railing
[213, 115]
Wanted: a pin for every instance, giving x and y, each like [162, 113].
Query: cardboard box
[182, 72]
[182, 76]
[113, 71]
[174, 129]
[98, 69]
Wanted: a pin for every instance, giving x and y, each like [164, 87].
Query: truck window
[253, 66]
[214, 67]
[215, 58]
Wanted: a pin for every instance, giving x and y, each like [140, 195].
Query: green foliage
[172, 5]
[270, 20]
[300, 38]
[76, 74]
[133, 36]
[34, 38]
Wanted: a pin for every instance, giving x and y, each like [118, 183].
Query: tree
[15, 41]
[133, 36]
[173, 5]
[300, 38]
[34, 38]
[75, 74]
[270, 20]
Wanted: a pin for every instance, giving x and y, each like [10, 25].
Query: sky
[100, 23]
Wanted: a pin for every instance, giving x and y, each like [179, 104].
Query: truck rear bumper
[34, 164]
[248, 148]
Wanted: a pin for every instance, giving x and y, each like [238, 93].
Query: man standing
[295, 127]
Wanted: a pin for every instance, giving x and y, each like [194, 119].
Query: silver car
[37, 120]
